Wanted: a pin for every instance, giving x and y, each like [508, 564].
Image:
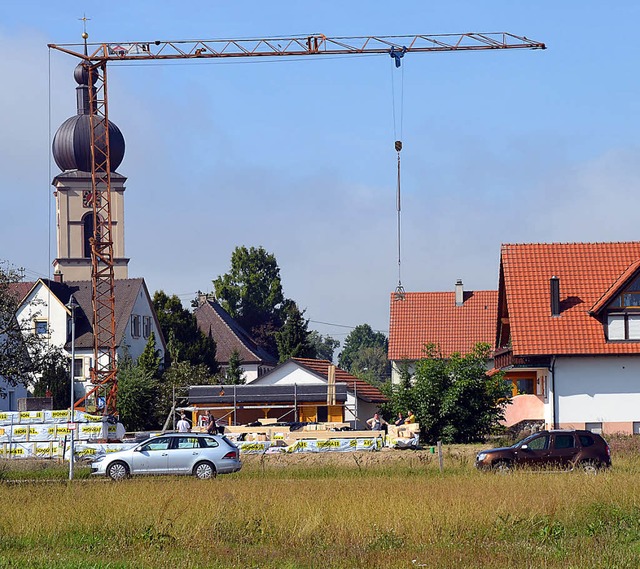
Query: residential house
[298, 390]
[44, 309]
[214, 321]
[362, 398]
[568, 334]
[9, 394]
[454, 321]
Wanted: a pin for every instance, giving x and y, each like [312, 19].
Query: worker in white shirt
[183, 425]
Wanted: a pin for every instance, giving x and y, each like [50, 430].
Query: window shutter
[616, 327]
[634, 326]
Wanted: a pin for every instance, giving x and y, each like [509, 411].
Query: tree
[235, 374]
[361, 337]
[22, 353]
[54, 377]
[150, 359]
[370, 364]
[137, 395]
[251, 292]
[185, 341]
[324, 346]
[293, 338]
[454, 399]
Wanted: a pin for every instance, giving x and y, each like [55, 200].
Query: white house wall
[41, 304]
[143, 309]
[13, 393]
[600, 390]
[290, 374]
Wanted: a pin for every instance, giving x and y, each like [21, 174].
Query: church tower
[74, 211]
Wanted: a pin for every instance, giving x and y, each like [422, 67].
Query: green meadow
[387, 509]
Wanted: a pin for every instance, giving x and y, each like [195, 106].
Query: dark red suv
[566, 449]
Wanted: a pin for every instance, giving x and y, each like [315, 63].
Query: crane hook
[398, 54]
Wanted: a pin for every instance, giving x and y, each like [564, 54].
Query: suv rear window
[586, 440]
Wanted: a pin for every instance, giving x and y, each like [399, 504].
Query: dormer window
[623, 314]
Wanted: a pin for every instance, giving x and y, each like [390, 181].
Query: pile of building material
[404, 436]
[271, 437]
[47, 433]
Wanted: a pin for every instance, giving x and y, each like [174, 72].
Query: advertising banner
[56, 416]
[335, 445]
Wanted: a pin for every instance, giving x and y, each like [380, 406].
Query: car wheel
[503, 467]
[117, 471]
[204, 470]
[589, 467]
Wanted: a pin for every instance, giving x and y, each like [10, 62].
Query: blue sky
[297, 156]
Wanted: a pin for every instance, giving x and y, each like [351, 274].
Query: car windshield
[525, 441]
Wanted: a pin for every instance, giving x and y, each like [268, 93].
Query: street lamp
[72, 305]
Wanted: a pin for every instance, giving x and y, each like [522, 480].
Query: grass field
[386, 509]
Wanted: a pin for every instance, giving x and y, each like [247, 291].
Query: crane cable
[396, 56]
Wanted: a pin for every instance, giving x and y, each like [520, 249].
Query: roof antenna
[400, 293]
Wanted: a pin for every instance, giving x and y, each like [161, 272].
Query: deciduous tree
[185, 341]
[137, 396]
[251, 292]
[355, 346]
[22, 353]
[454, 399]
[324, 346]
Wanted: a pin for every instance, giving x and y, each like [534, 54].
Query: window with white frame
[78, 367]
[623, 314]
[146, 326]
[135, 326]
[623, 326]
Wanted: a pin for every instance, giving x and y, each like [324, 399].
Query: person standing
[183, 425]
[212, 427]
[376, 422]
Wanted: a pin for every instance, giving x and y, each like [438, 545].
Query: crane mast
[96, 56]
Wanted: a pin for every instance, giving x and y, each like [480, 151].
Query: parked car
[565, 449]
[200, 455]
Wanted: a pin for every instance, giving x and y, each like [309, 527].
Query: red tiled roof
[363, 389]
[586, 272]
[20, 289]
[619, 283]
[433, 318]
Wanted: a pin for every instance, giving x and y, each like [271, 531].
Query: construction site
[274, 413]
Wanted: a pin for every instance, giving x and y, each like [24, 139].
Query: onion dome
[72, 141]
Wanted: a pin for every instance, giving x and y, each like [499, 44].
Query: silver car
[200, 455]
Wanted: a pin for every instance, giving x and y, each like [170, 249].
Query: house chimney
[202, 298]
[554, 290]
[57, 277]
[459, 293]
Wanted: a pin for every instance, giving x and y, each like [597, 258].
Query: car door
[183, 454]
[564, 449]
[151, 457]
[535, 452]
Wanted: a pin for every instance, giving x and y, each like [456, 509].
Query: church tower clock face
[87, 199]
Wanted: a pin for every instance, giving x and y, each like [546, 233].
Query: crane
[95, 57]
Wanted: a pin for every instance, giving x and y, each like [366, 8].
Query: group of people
[183, 425]
[377, 423]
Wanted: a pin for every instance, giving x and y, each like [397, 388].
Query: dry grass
[370, 510]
